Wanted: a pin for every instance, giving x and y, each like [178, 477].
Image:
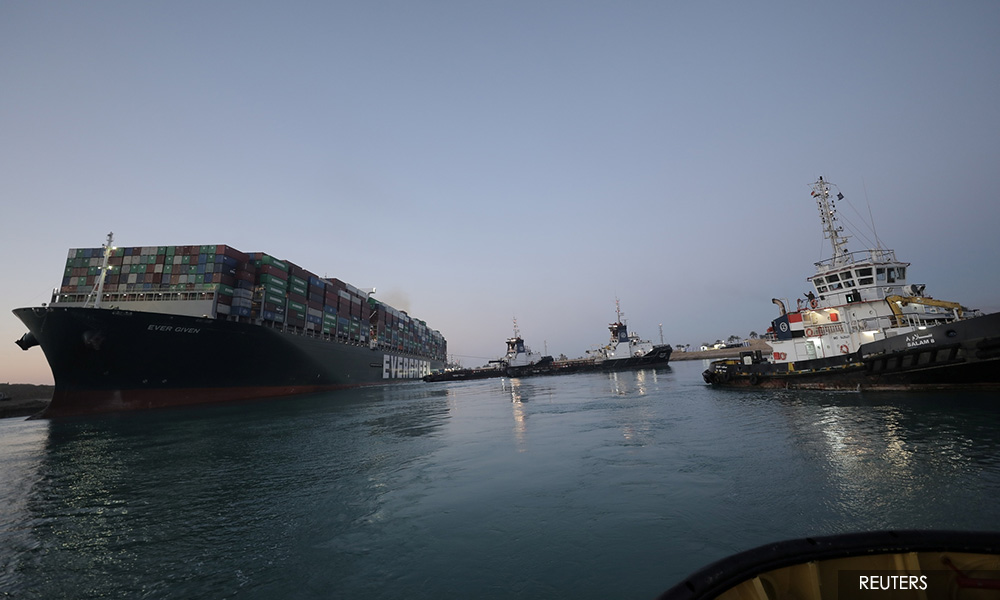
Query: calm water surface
[580, 486]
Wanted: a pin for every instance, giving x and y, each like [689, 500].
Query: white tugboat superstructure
[623, 344]
[518, 354]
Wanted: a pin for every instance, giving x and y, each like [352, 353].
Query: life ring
[809, 332]
[779, 356]
[844, 349]
[814, 303]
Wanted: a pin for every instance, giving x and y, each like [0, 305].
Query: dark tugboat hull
[960, 355]
[658, 357]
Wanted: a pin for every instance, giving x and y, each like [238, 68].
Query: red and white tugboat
[863, 326]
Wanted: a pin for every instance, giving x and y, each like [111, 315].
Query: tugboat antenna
[828, 217]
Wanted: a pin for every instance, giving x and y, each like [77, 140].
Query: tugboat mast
[828, 216]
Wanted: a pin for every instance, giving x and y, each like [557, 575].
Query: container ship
[159, 326]
[862, 325]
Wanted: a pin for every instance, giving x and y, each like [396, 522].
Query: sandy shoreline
[724, 353]
[23, 399]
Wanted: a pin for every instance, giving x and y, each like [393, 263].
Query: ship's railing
[825, 329]
[134, 293]
[812, 330]
[340, 338]
[873, 255]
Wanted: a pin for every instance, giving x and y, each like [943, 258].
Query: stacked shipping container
[249, 286]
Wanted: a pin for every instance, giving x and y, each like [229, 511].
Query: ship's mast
[108, 248]
[828, 217]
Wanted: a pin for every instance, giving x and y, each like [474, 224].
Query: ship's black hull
[115, 360]
[960, 355]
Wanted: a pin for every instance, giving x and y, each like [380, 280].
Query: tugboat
[520, 361]
[626, 351]
[862, 326]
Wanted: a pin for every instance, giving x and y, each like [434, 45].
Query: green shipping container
[267, 259]
[274, 297]
[272, 282]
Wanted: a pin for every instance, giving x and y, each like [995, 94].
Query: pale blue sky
[477, 161]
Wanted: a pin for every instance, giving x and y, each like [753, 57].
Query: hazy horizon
[482, 162]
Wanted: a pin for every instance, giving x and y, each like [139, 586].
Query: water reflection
[640, 382]
[114, 495]
[590, 485]
[417, 414]
[883, 450]
[519, 396]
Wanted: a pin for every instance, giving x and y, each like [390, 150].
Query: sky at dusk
[477, 162]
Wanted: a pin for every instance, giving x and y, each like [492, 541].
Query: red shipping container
[234, 253]
[272, 270]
